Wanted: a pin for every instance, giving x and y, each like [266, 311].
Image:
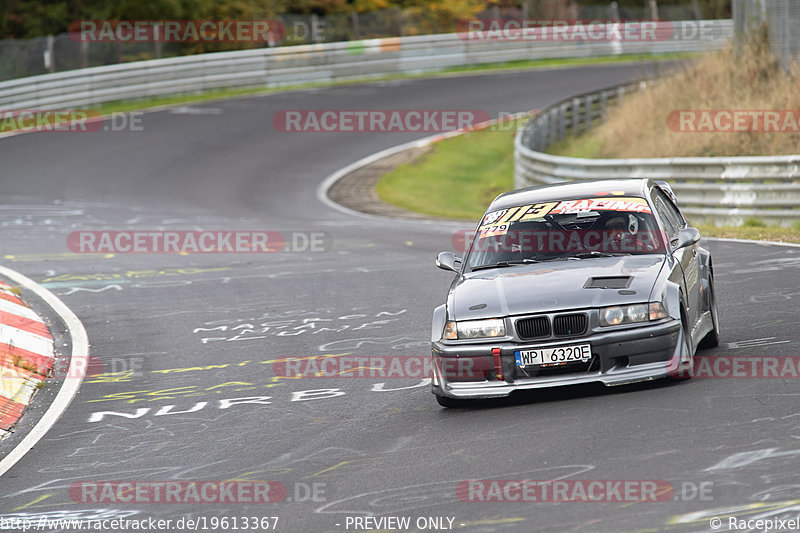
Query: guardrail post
[576, 116]
[354, 21]
[315, 26]
[553, 131]
[84, 53]
[603, 103]
[614, 11]
[545, 139]
[653, 10]
[562, 121]
[589, 117]
[48, 57]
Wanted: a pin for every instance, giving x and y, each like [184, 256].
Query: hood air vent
[611, 282]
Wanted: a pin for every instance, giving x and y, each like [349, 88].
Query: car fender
[704, 257]
[670, 295]
[706, 273]
[437, 326]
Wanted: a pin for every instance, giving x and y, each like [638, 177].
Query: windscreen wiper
[594, 253]
[501, 264]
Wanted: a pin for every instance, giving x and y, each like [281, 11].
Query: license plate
[553, 356]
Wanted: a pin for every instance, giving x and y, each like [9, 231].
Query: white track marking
[19, 310]
[26, 340]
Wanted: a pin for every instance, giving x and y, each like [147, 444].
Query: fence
[31, 57]
[723, 190]
[782, 18]
[270, 67]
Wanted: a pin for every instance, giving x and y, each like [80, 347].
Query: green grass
[753, 222]
[568, 62]
[125, 106]
[457, 178]
[585, 145]
[759, 233]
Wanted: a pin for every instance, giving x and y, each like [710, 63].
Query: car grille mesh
[572, 324]
[533, 328]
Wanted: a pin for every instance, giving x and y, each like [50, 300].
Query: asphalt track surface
[384, 447]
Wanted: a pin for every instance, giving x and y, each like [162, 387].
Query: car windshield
[577, 229]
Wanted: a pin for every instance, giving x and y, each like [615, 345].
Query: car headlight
[631, 314]
[475, 329]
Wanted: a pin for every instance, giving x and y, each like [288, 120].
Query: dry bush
[748, 79]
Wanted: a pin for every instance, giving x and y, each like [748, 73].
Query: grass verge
[770, 233]
[457, 178]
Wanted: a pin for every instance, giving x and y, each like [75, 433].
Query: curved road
[196, 331]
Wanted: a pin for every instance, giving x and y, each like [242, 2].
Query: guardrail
[724, 190]
[271, 67]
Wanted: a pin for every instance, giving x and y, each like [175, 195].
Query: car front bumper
[619, 357]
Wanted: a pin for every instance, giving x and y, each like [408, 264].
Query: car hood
[554, 286]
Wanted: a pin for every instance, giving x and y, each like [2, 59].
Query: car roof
[570, 190]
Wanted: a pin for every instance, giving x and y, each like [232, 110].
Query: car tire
[711, 340]
[450, 403]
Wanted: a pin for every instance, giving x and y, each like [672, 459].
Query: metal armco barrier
[272, 67]
[723, 190]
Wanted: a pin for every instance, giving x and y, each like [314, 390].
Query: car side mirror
[686, 237]
[447, 261]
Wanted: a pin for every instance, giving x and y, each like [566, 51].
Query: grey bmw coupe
[600, 281]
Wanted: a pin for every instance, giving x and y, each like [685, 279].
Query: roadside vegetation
[645, 123]
[759, 232]
[33, 18]
[458, 177]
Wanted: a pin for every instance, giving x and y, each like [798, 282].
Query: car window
[563, 229]
[661, 212]
[669, 210]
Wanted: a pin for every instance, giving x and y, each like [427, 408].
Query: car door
[685, 260]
